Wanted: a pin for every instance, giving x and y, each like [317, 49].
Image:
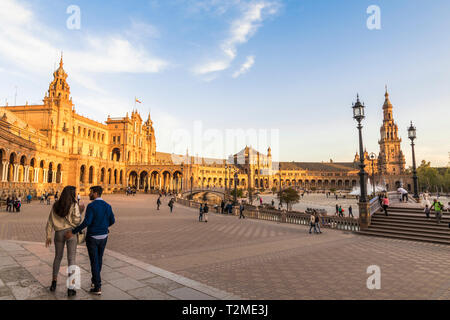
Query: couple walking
[314, 222]
[203, 212]
[65, 218]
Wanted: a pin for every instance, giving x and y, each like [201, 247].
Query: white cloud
[245, 66]
[29, 45]
[140, 31]
[241, 30]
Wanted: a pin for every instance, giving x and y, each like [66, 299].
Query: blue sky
[289, 65]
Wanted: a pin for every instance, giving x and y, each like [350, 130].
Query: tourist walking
[158, 203]
[312, 223]
[170, 204]
[317, 222]
[200, 213]
[9, 204]
[56, 196]
[78, 199]
[65, 214]
[222, 206]
[273, 203]
[337, 210]
[385, 205]
[205, 212]
[29, 198]
[341, 211]
[99, 217]
[241, 211]
[350, 212]
[437, 207]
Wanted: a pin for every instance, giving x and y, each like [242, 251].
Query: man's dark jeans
[95, 249]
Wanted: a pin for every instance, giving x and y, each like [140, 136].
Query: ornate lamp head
[358, 110]
[412, 132]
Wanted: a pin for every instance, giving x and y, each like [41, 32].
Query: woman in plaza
[386, 205]
[64, 215]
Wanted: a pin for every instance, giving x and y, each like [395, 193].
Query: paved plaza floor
[249, 259]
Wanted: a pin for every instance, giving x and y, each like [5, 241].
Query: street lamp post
[226, 178]
[182, 176]
[412, 137]
[279, 173]
[192, 182]
[372, 157]
[358, 115]
[364, 208]
[235, 187]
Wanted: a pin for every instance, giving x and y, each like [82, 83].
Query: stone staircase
[409, 224]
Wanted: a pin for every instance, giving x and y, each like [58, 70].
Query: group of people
[170, 204]
[65, 221]
[46, 197]
[438, 209]
[226, 208]
[13, 204]
[130, 191]
[340, 211]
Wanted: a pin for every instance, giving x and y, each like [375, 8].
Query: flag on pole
[138, 100]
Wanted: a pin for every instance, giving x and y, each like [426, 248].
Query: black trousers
[96, 248]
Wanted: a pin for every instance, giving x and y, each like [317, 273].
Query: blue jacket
[99, 217]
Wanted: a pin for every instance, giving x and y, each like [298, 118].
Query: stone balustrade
[301, 218]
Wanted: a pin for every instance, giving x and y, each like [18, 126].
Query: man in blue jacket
[99, 217]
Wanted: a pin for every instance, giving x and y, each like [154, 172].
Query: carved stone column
[16, 173]
[45, 175]
[5, 171]
[36, 175]
[26, 173]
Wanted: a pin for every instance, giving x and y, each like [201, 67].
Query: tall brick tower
[391, 160]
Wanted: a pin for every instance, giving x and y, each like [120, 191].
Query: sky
[218, 75]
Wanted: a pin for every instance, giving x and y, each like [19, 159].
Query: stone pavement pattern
[25, 274]
[258, 259]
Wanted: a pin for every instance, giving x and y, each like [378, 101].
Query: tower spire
[61, 63]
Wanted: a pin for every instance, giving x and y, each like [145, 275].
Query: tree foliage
[289, 196]
[239, 193]
[433, 179]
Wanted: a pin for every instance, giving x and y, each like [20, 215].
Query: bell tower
[391, 160]
[58, 93]
[58, 101]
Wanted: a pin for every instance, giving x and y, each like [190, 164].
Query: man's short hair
[97, 189]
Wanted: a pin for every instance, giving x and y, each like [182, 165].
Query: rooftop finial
[61, 61]
[387, 93]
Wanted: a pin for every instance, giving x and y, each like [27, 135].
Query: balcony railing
[301, 218]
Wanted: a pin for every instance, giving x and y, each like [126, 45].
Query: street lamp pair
[358, 115]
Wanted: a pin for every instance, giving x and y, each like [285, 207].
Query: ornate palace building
[46, 147]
